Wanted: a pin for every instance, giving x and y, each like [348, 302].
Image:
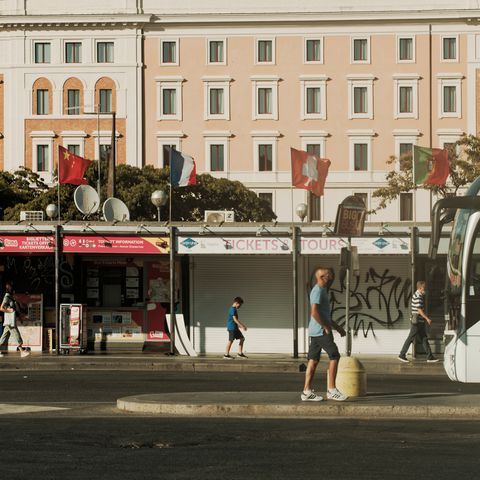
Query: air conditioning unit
[31, 215]
[219, 216]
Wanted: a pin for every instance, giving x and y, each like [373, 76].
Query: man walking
[418, 328]
[233, 326]
[321, 337]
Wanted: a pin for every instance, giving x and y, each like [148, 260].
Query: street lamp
[301, 211]
[159, 199]
[51, 210]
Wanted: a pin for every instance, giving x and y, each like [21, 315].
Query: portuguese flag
[430, 166]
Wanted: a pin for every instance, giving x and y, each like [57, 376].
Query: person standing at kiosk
[10, 311]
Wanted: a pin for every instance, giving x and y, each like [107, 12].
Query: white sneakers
[333, 394]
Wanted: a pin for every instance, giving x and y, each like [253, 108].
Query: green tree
[135, 185]
[464, 168]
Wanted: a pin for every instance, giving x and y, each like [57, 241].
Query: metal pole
[158, 213]
[348, 342]
[172, 291]
[413, 232]
[99, 183]
[295, 291]
[57, 287]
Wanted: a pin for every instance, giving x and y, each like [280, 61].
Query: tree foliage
[135, 185]
[464, 166]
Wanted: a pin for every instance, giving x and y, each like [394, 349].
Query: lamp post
[52, 211]
[301, 211]
[159, 199]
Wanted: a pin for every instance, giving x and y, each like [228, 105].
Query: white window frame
[64, 50]
[105, 40]
[217, 138]
[400, 206]
[360, 136]
[50, 42]
[352, 49]
[177, 52]
[265, 138]
[259, 39]
[447, 135]
[312, 62]
[168, 138]
[71, 137]
[44, 137]
[457, 45]
[411, 37]
[219, 39]
[404, 136]
[405, 80]
[319, 137]
[262, 81]
[170, 83]
[313, 81]
[271, 192]
[222, 83]
[450, 80]
[104, 137]
[360, 81]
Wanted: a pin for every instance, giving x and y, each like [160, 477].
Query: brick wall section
[2, 123]
[72, 84]
[88, 126]
[42, 84]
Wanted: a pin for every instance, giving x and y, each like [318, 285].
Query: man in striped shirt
[418, 328]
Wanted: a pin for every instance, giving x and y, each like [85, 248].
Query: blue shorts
[235, 335]
[324, 342]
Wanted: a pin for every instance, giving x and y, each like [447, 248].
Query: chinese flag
[309, 171]
[71, 167]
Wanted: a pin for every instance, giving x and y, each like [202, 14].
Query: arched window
[42, 97]
[73, 97]
[105, 95]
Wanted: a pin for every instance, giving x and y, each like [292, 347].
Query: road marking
[7, 408]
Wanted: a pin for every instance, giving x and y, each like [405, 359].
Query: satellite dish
[114, 210]
[86, 199]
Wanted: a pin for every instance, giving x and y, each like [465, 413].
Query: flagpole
[172, 265]
[414, 196]
[58, 186]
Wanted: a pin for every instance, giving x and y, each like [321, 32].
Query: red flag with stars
[71, 167]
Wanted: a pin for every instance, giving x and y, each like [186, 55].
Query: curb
[166, 405]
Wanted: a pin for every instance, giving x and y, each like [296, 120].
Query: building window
[313, 100]
[265, 157]
[360, 156]
[449, 48]
[405, 151]
[105, 100]
[360, 100]
[267, 197]
[42, 159]
[169, 98]
[315, 207]
[406, 207]
[314, 149]
[75, 149]
[104, 151]
[313, 97]
[360, 94]
[217, 157]
[42, 102]
[363, 197]
[42, 52]
[105, 52]
[361, 50]
[73, 52]
[265, 51]
[169, 52]
[405, 49]
[167, 150]
[216, 101]
[217, 98]
[449, 99]
[313, 50]
[405, 95]
[216, 51]
[73, 102]
[265, 98]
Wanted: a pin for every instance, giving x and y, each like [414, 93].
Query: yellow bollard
[351, 377]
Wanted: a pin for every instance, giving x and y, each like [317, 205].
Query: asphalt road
[88, 438]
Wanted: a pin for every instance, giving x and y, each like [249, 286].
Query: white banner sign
[234, 245]
[371, 245]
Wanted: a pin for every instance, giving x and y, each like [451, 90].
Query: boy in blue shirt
[233, 326]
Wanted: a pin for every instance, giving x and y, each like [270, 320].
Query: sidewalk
[256, 363]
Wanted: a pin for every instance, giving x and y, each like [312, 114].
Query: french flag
[183, 171]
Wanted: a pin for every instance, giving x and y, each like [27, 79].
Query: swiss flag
[309, 171]
[71, 167]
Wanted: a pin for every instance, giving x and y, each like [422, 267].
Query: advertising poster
[158, 293]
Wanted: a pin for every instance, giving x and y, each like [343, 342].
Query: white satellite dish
[114, 210]
[86, 199]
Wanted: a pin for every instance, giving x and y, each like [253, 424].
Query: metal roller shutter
[264, 282]
[382, 295]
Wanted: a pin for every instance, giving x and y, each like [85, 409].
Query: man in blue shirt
[321, 338]
[233, 326]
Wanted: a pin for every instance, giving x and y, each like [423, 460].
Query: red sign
[27, 244]
[111, 244]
